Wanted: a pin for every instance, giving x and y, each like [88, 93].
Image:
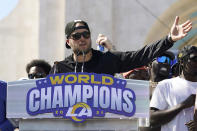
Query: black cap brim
[67, 46]
[169, 54]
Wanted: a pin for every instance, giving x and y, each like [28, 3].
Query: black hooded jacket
[114, 62]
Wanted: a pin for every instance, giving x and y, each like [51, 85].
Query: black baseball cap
[70, 28]
[169, 54]
[186, 51]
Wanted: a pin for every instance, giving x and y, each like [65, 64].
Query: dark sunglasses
[78, 35]
[164, 59]
[36, 75]
[193, 58]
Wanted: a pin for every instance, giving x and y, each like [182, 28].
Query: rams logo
[79, 112]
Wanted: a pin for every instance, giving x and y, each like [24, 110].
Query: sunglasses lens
[31, 76]
[76, 36]
[161, 59]
[164, 59]
[168, 60]
[86, 34]
[37, 75]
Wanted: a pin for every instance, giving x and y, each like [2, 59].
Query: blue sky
[6, 7]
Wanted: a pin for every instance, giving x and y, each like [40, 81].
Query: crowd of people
[172, 84]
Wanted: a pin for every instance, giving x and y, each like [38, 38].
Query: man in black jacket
[86, 59]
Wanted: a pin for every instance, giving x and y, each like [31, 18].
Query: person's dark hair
[40, 63]
[183, 56]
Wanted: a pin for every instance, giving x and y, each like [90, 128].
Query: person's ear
[67, 41]
[67, 44]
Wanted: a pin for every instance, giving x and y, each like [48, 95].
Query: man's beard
[81, 52]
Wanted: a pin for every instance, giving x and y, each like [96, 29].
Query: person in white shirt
[172, 103]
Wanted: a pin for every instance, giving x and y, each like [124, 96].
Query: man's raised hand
[177, 31]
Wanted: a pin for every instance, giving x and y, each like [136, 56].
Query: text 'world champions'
[79, 96]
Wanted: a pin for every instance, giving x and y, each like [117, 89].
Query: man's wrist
[170, 38]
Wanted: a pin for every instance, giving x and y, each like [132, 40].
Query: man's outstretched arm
[149, 52]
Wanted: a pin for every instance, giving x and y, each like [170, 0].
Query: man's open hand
[177, 31]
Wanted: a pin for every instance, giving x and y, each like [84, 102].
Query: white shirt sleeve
[158, 99]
